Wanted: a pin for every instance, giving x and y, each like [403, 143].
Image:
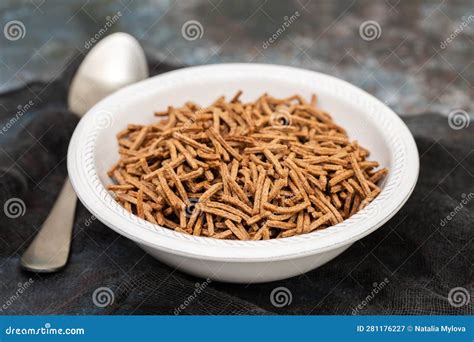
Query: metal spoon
[116, 61]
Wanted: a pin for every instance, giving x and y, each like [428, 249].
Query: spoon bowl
[116, 61]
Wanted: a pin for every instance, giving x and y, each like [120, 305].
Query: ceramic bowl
[93, 150]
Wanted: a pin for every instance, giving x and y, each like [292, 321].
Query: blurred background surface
[417, 56]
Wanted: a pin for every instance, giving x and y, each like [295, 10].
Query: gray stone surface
[409, 63]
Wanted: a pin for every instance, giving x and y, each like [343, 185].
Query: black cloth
[408, 266]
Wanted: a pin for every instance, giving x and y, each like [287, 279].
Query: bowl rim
[399, 184]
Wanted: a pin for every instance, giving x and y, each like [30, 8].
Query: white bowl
[93, 150]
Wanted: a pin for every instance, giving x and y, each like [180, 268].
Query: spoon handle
[49, 250]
